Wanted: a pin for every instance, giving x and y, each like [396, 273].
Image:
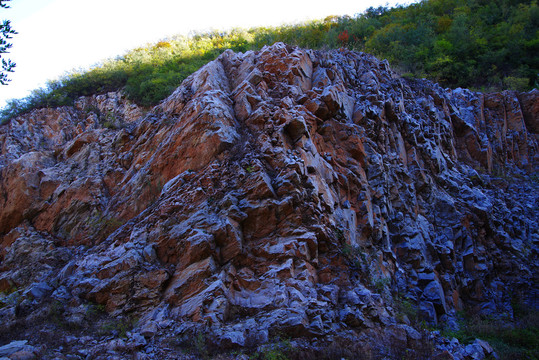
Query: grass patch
[511, 339]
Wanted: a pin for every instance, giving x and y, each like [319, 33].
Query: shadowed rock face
[280, 191]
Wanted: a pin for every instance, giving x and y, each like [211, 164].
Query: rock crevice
[281, 191]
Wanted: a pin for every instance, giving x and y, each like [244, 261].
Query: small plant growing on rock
[274, 351]
[10, 297]
[381, 283]
[117, 327]
[109, 125]
[56, 314]
[406, 311]
[94, 310]
[200, 345]
[339, 234]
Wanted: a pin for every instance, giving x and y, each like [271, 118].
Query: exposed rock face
[280, 191]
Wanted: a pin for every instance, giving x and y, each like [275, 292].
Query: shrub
[405, 309]
[516, 83]
[458, 43]
[117, 327]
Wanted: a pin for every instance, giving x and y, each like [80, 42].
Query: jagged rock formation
[284, 191]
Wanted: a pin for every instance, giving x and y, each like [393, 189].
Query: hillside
[281, 203]
[486, 45]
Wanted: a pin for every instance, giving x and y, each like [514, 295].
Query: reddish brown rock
[281, 191]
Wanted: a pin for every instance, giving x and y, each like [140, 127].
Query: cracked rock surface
[284, 192]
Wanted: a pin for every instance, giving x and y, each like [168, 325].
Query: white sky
[56, 36]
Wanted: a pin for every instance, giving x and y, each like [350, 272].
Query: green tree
[6, 32]
[488, 45]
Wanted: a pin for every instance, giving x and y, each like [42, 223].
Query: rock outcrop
[284, 192]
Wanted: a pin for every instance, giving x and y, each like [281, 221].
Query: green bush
[466, 43]
[516, 83]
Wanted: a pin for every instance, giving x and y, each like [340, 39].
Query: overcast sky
[56, 36]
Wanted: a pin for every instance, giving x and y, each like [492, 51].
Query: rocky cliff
[281, 193]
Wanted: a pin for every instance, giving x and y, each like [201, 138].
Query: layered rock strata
[284, 191]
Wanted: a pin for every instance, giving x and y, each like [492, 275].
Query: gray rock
[434, 293]
[427, 312]
[61, 294]
[474, 352]
[23, 355]
[136, 340]
[425, 278]
[13, 347]
[232, 339]
[487, 349]
[317, 325]
[351, 317]
[149, 253]
[40, 290]
[149, 329]
[449, 322]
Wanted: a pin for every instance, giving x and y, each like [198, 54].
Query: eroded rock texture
[284, 191]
